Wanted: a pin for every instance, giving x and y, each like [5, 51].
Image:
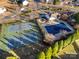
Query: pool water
[54, 29]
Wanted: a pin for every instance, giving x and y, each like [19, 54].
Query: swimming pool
[55, 30]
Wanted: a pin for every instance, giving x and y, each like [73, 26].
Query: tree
[76, 16]
[41, 55]
[60, 47]
[48, 53]
[55, 49]
[68, 40]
